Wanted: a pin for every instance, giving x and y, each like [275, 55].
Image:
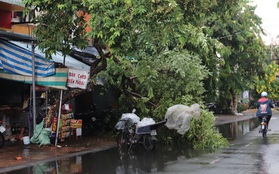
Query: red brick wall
[6, 19]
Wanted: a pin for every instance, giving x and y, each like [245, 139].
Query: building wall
[6, 19]
[11, 19]
[25, 29]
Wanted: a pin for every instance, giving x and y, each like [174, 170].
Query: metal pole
[59, 112]
[46, 99]
[33, 87]
[59, 116]
[30, 111]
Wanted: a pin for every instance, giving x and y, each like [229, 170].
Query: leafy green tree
[160, 51]
[156, 34]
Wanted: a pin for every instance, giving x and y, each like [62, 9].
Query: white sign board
[78, 132]
[246, 94]
[77, 78]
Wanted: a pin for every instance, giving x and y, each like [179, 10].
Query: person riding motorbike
[264, 106]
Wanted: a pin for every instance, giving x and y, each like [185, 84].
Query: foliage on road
[201, 135]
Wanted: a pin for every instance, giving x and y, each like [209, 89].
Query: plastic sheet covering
[179, 117]
[129, 118]
[132, 116]
[145, 121]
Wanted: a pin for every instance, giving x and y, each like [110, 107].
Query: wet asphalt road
[249, 154]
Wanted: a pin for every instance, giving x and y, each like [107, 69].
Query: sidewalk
[225, 119]
[245, 115]
[15, 155]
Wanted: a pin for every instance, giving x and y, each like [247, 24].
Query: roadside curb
[245, 115]
[226, 119]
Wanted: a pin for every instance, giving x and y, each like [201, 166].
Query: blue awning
[17, 60]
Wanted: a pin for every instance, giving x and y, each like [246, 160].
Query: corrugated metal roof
[14, 2]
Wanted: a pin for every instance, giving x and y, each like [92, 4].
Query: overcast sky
[268, 11]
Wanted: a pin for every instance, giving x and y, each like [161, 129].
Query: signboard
[77, 78]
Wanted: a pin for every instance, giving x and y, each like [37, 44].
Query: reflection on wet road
[236, 130]
[109, 161]
[249, 154]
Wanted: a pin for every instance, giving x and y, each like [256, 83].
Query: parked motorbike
[264, 128]
[2, 132]
[129, 134]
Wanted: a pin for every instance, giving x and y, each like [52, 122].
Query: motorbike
[129, 134]
[264, 128]
[2, 133]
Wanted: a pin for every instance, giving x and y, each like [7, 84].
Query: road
[249, 155]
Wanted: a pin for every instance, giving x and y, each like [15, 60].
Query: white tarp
[179, 117]
[132, 119]
[145, 121]
[127, 118]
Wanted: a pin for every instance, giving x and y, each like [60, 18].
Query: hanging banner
[77, 78]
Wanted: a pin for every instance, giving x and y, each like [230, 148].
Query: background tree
[162, 43]
[267, 80]
[237, 27]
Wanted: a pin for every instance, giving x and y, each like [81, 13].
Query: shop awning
[17, 60]
[57, 81]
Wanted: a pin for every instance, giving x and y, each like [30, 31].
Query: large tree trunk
[235, 102]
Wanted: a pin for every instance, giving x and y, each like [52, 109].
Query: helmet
[264, 94]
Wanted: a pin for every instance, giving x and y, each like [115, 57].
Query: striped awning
[57, 81]
[17, 60]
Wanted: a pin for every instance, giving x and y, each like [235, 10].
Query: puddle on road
[236, 130]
